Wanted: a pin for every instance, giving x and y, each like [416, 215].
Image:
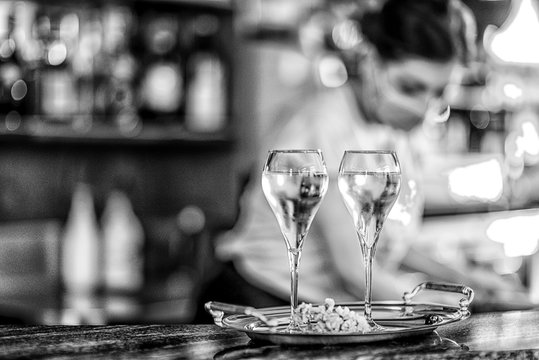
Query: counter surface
[505, 335]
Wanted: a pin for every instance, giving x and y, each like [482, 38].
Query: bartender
[411, 50]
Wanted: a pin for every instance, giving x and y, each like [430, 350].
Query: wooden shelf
[205, 4]
[98, 133]
[214, 4]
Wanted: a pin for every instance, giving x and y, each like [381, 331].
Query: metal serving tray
[399, 319]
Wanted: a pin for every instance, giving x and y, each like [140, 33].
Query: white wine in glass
[294, 183]
[369, 183]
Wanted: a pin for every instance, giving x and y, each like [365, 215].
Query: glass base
[374, 327]
[295, 327]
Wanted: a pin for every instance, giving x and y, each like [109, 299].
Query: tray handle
[218, 310]
[464, 303]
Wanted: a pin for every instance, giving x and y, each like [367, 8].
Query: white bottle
[80, 245]
[123, 240]
[206, 97]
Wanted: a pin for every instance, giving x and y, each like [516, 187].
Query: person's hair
[434, 29]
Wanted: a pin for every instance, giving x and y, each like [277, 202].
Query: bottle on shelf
[161, 87]
[121, 67]
[13, 86]
[58, 96]
[87, 71]
[206, 97]
[29, 51]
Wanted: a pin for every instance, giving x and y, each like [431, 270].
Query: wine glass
[369, 183]
[294, 183]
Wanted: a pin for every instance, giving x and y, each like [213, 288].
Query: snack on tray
[328, 318]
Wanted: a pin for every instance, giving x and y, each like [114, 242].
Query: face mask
[401, 111]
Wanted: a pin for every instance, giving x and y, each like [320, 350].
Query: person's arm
[489, 286]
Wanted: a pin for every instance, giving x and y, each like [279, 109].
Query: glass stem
[368, 254]
[293, 257]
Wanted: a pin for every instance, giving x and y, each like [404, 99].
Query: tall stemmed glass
[294, 183]
[369, 183]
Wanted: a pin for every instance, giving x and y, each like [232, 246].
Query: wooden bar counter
[497, 335]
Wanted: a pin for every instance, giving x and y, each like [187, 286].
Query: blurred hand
[497, 293]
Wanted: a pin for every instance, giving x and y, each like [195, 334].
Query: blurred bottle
[85, 65]
[29, 50]
[58, 95]
[13, 87]
[80, 252]
[206, 92]
[123, 241]
[121, 65]
[161, 88]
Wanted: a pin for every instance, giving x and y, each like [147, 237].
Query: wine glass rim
[370, 151]
[295, 151]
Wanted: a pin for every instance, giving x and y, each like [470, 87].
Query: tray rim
[247, 324]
